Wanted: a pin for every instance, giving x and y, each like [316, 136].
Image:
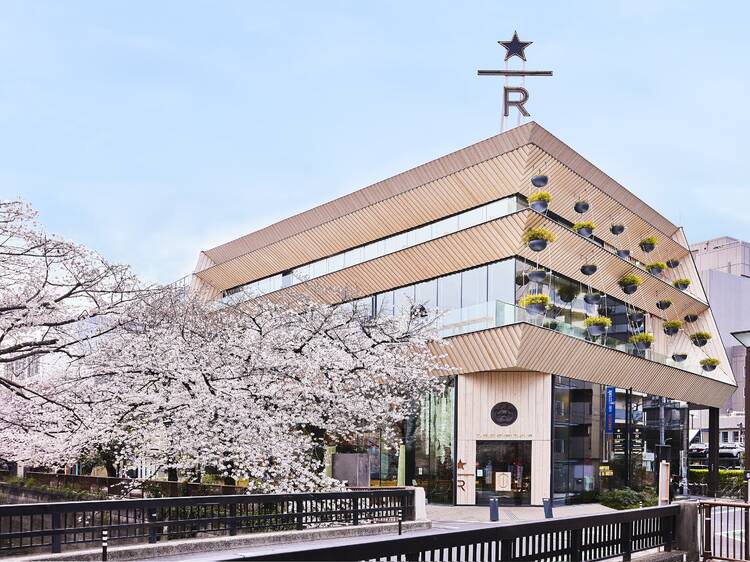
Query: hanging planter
[663, 304]
[681, 283]
[581, 206]
[538, 238]
[690, 318]
[540, 201]
[597, 325]
[629, 283]
[584, 228]
[567, 292]
[537, 275]
[539, 181]
[592, 298]
[648, 244]
[624, 254]
[617, 228]
[679, 357]
[656, 267]
[588, 269]
[700, 338]
[671, 327]
[637, 317]
[709, 363]
[671, 264]
[534, 304]
[643, 341]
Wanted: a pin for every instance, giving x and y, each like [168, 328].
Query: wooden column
[713, 452]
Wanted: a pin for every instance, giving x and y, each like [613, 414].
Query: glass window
[403, 299]
[302, 273]
[318, 268]
[445, 226]
[426, 294]
[335, 263]
[420, 235]
[374, 250]
[449, 292]
[395, 243]
[472, 218]
[365, 305]
[474, 286]
[287, 279]
[353, 257]
[384, 303]
[500, 281]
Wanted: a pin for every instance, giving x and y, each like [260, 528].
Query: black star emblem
[515, 47]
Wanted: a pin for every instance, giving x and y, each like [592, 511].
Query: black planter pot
[671, 331]
[629, 289]
[588, 269]
[539, 181]
[700, 342]
[681, 286]
[617, 229]
[679, 357]
[646, 247]
[540, 206]
[671, 264]
[642, 345]
[624, 254]
[536, 309]
[592, 298]
[585, 232]
[595, 330]
[655, 271]
[708, 368]
[690, 318]
[537, 245]
[581, 207]
[663, 305]
[637, 317]
[537, 275]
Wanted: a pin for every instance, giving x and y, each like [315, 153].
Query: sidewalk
[473, 513]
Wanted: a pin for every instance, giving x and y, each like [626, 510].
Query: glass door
[503, 470]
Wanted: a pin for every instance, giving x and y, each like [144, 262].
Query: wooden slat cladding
[523, 347]
[488, 242]
[491, 148]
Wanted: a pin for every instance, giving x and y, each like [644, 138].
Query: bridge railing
[724, 530]
[54, 525]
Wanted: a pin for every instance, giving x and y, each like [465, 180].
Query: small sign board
[503, 482]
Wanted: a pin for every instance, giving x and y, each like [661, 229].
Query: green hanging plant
[710, 361]
[682, 283]
[642, 341]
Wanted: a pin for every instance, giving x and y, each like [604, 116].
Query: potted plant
[584, 228]
[700, 338]
[588, 269]
[679, 357]
[663, 304]
[629, 283]
[592, 298]
[671, 327]
[534, 303]
[567, 292]
[656, 267]
[648, 243]
[671, 264]
[538, 238]
[597, 325]
[636, 317]
[709, 363]
[536, 275]
[642, 341]
[540, 200]
[690, 318]
[624, 254]
[681, 283]
[617, 228]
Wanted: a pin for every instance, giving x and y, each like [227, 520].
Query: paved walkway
[472, 513]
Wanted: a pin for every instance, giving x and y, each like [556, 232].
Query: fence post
[56, 533]
[666, 532]
[232, 519]
[707, 532]
[506, 549]
[355, 510]
[575, 545]
[105, 536]
[686, 533]
[626, 540]
[152, 528]
[300, 510]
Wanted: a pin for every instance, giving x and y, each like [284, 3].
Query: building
[724, 268]
[540, 407]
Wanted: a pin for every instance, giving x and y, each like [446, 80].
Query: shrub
[538, 234]
[597, 321]
[627, 498]
[709, 361]
[673, 324]
[540, 196]
[584, 224]
[650, 240]
[630, 279]
[659, 264]
[700, 336]
[641, 338]
[533, 299]
[681, 281]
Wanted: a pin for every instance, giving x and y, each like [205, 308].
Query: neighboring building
[538, 408]
[724, 268]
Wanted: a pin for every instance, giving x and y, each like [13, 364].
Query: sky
[149, 131]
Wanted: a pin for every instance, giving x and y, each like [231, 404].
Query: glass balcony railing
[494, 314]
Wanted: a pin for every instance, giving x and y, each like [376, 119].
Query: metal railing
[25, 527]
[574, 539]
[723, 530]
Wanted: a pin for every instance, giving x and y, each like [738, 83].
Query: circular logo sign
[504, 413]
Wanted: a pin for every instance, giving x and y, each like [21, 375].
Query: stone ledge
[184, 546]
[674, 556]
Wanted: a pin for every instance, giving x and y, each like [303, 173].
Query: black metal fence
[574, 539]
[54, 525]
[724, 530]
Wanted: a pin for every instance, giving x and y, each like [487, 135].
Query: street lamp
[744, 338]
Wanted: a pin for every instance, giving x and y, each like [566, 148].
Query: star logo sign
[460, 464]
[515, 47]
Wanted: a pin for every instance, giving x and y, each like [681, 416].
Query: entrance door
[504, 471]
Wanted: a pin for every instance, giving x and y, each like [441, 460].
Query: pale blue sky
[151, 130]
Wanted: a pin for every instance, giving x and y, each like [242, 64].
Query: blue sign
[609, 410]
